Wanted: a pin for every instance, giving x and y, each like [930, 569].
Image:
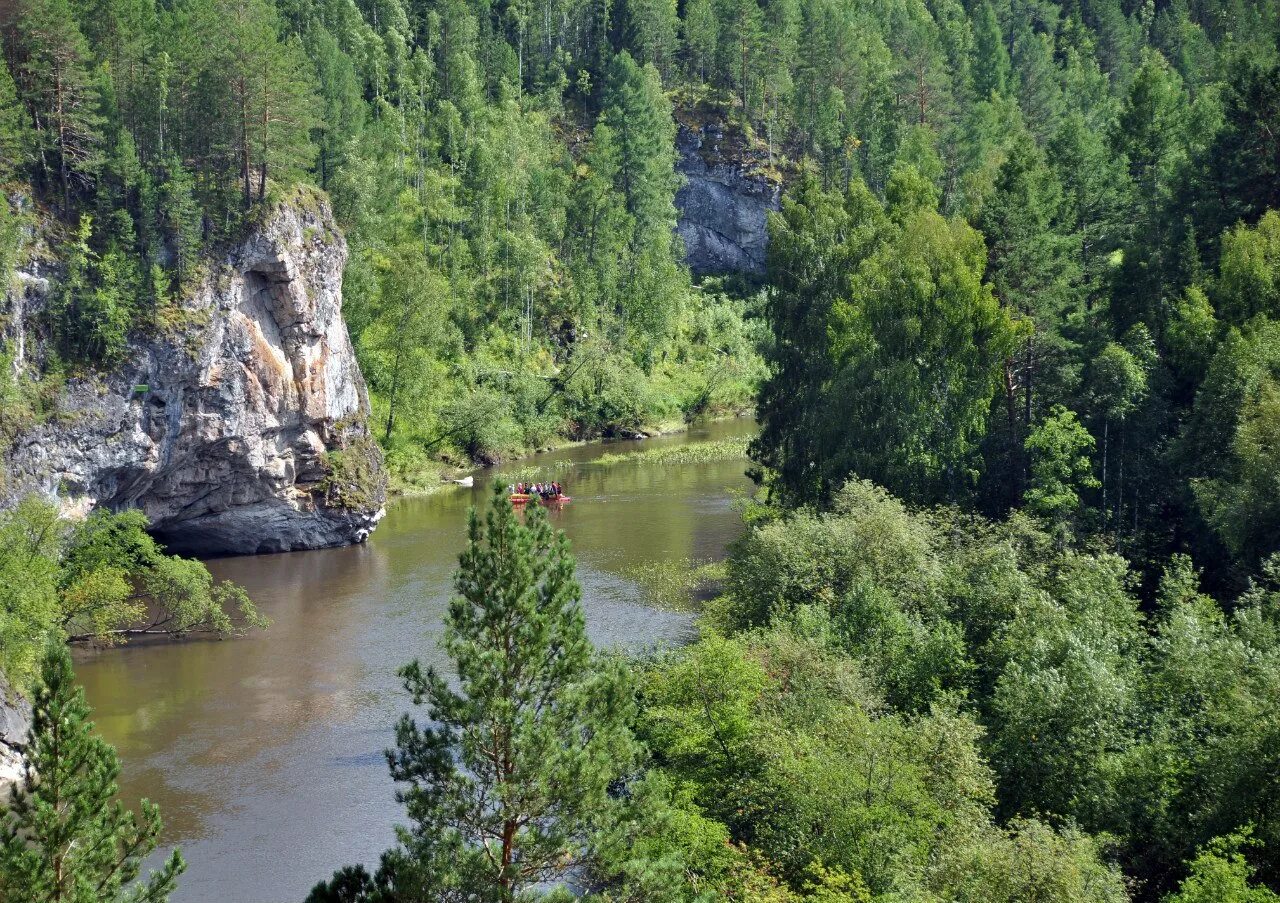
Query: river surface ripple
[265, 753]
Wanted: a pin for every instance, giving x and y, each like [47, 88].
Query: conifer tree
[701, 34]
[991, 65]
[51, 68]
[1034, 271]
[13, 128]
[506, 777]
[66, 838]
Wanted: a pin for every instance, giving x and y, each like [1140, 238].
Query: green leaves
[889, 345]
[103, 580]
[512, 770]
[65, 836]
[1220, 874]
[1060, 450]
[1230, 442]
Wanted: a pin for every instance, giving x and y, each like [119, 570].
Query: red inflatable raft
[523, 498]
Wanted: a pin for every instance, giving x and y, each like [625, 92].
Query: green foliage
[675, 585]
[991, 66]
[1153, 734]
[14, 138]
[516, 762]
[498, 240]
[1060, 449]
[102, 580]
[1247, 273]
[1033, 860]
[882, 320]
[1209, 692]
[772, 734]
[1220, 874]
[352, 476]
[994, 215]
[65, 836]
[51, 65]
[1192, 334]
[680, 455]
[94, 307]
[1230, 441]
[30, 538]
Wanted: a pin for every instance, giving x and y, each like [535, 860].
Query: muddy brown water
[265, 753]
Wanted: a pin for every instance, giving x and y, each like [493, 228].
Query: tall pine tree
[66, 838]
[506, 777]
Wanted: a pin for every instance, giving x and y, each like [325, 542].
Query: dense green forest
[1005, 623]
[505, 181]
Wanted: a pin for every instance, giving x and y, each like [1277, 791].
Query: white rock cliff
[244, 431]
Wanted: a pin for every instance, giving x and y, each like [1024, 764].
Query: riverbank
[428, 480]
[250, 746]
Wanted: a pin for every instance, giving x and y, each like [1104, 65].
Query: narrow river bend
[265, 753]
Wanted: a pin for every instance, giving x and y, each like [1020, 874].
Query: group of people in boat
[543, 490]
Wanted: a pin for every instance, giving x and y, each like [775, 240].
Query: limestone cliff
[243, 430]
[725, 200]
[15, 725]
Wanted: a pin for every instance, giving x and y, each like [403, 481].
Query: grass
[676, 455]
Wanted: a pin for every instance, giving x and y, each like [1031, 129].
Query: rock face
[723, 203]
[15, 724]
[243, 431]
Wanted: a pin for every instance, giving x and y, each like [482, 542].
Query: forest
[1004, 624]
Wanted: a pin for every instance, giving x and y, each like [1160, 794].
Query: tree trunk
[1120, 481]
[395, 391]
[63, 170]
[921, 94]
[1015, 447]
[262, 167]
[247, 186]
[1106, 438]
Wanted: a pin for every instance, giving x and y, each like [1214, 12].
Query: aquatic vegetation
[530, 473]
[679, 455]
[678, 584]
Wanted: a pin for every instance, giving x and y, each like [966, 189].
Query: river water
[265, 753]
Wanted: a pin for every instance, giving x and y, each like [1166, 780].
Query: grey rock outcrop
[242, 431]
[15, 725]
[723, 204]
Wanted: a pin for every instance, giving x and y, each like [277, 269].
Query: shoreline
[650, 431]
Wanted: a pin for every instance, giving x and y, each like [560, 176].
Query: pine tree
[638, 118]
[991, 65]
[285, 111]
[342, 109]
[506, 777]
[13, 128]
[701, 34]
[1034, 271]
[741, 37]
[179, 218]
[66, 838]
[650, 30]
[53, 77]
[1038, 90]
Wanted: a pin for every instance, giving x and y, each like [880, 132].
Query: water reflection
[265, 753]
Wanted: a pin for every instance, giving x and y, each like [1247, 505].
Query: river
[265, 753]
